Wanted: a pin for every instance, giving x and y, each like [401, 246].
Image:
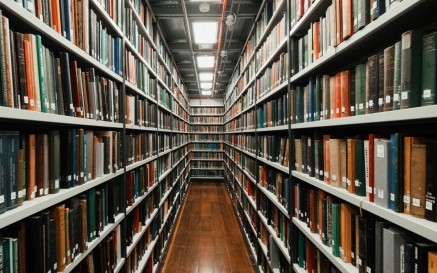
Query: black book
[370, 245]
[99, 212]
[66, 84]
[66, 138]
[34, 255]
[74, 227]
[21, 70]
[4, 184]
[13, 145]
[304, 154]
[408, 260]
[380, 79]
[354, 242]
[57, 80]
[421, 256]
[431, 180]
[372, 83]
[362, 223]
[52, 246]
[107, 159]
[55, 161]
[15, 75]
[378, 9]
[46, 230]
[73, 154]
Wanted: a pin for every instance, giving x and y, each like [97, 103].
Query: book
[418, 177]
[393, 238]
[431, 180]
[429, 62]
[382, 157]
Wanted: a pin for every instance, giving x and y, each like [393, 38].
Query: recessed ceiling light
[205, 61]
[206, 77]
[206, 92]
[206, 85]
[205, 32]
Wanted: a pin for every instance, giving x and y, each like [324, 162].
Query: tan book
[343, 163]
[287, 151]
[335, 162]
[351, 165]
[418, 176]
[57, 213]
[83, 232]
[31, 167]
[298, 154]
[432, 262]
[347, 212]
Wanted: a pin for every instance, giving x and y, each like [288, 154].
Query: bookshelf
[250, 106]
[206, 138]
[136, 109]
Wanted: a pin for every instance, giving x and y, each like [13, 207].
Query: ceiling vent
[204, 7]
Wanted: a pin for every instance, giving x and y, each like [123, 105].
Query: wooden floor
[207, 238]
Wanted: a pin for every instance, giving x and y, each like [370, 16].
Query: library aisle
[207, 237]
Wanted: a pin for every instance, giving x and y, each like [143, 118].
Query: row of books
[137, 254]
[163, 164]
[51, 240]
[205, 137]
[146, 17]
[138, 40]
[245, 142]
[276, 182]
[269, 10]
[207, 173]
[207, 110]
[206, 119]
[341, 20]
[165, 98]
[164, 142]
[166, 120]
[376, 85]
[276, 37]
[179, 154]
[140, 112]
[139, 181]
[140, 146]
[248, 120]
[273, 76]
[248, 98]
[235, 109]
[310, 258]
[269, 149]
[207, 146]
[201, 155]
[179, 139]
[207, 165]
[114, 10]
[395, 172]
[234, 125]
[275, 219]
[32, 165]
[78, 24]
[180, 125]
[38, 79]
[273, 113]
[137, 74]
[371, 244]
[105, 47]
[137, 218]
[206, 128]
[165, 76]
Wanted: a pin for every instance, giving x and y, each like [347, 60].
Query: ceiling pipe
[190, 42]
[222, 23]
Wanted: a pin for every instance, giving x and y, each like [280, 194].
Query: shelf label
[404, 95]
[392, 196]
[427, 93]
[396, 97]
[416, 202]
[361, 106]
[407, 199]
[381, 193]
[369, 189]
[380, 101]
[387, 99]
[13, 195]
[20, 194]
[428, 205]
[348, 182]
[371, 104]
[26, 99]
[57, 183]
[380, 151]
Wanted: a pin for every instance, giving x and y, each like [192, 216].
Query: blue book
[73, 158]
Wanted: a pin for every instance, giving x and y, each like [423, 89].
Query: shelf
[274, 164]
[162, 130]
[145, 257]
[275, 238]
[140, 163]
[141, 128]
[311, 15]
[248, 108]
[267, 95]
[206, 114]
[41, 203]
[420, 114]
[139, 92]
[137, 237]
[327, 251]
[248, 131]
[207, 141]
[274, 200]
[297, 269]
[275, 54]
[207, 124]
[140, 25]
[357, 38]
[241, 150]
[108, 20]
[25, 16]
[207, 133]
[338, 192]
[119, 265]
[139, 56]
[91, 245]
[164, 175]
[204, 159]
[207, 177]
[13, 114]
[207, 169]
[207, 151]
[273, 129]
[265, 252]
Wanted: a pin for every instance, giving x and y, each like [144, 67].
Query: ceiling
[174, 26]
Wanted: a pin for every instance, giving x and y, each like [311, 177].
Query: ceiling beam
[171, 11]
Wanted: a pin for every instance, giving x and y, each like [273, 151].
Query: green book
[360, 89]
[91, 214]
[360, 174]
[397, 76]
[336, 229]
[41, 73]
[299, 104]
[7, 259]
[429, 69]
[411, 64]
[324, 221]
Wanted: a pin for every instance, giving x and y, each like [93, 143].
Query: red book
[29, 74]
[370, 191]
[337, 95]
[56, 16]
[75, 89]
[345, 93]
[316, 42]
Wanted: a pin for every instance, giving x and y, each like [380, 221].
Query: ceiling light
[205, 61]
[206, 92]
[205, 32]
[205, 77]
[206, 85]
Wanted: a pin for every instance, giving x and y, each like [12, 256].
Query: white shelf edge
[273, 128]
[273, 164]
[108, 19]
[137, 237]
[274, 199]
[278, 241]
[140, 199]
[140, 163]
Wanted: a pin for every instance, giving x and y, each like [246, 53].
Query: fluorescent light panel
[205, 77]
[206, 92]
[205, 32]
[205, 61]
[206, 85]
